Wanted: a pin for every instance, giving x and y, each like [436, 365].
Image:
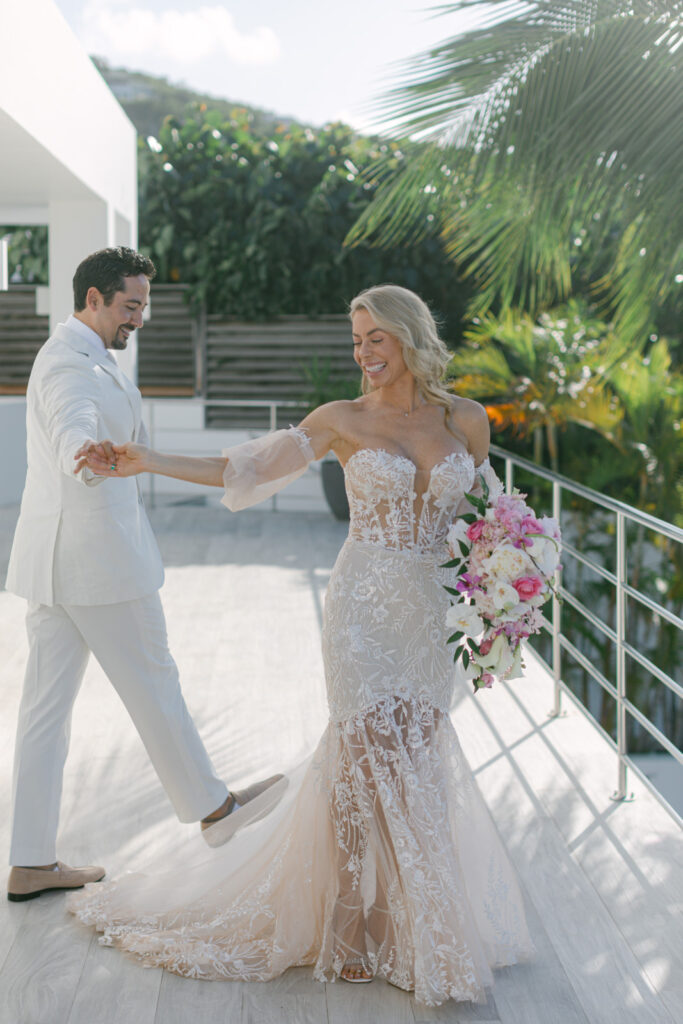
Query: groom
[85, 558]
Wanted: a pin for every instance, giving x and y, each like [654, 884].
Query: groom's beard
[121, 342]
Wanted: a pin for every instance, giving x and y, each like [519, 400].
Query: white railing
[616, 687]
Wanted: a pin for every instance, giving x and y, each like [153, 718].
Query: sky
[312, 60]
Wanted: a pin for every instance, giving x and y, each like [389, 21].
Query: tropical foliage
[564, 385]
[255, 224]
[613, 422]
[254, 221]
[27, 253]
[557, 144]
[537, 377]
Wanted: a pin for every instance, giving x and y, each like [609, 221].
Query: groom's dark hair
[105, 270]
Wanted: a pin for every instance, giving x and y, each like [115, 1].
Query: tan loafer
[27, 883]
[217, 831]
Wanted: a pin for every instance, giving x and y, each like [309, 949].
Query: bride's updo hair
[403, 313]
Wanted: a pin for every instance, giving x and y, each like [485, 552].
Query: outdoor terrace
[243, 599]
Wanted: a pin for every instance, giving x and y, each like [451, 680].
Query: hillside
[147, 100]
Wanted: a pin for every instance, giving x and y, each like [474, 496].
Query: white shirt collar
[86, 333]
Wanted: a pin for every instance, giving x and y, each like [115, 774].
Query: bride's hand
[131, 459]
[118, 460]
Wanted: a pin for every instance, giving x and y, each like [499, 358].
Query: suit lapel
[131, 392]
[109, 365]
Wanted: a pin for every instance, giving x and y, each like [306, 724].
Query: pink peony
[475, 530]
[510, 511]
[528, 586]
[486, 645]
[530, 524]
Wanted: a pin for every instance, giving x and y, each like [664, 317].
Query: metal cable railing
[615, 687]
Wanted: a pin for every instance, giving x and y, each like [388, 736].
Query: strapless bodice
[385, 507]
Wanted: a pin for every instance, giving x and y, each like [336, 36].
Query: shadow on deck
[243, 598]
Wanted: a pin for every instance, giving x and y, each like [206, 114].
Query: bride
[377, 857]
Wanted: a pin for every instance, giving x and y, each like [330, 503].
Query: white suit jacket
[80, 539]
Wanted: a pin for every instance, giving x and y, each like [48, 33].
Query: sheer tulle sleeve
[258, 469]
[485, 470]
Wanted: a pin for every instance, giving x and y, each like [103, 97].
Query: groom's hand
[114, 460]
[97, 456]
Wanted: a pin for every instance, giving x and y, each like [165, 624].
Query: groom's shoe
[215, 827]
[245, 796]
[27, 883]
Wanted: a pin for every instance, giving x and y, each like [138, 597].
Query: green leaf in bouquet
[469, 517]
[458, 652]
[452, 590]
[466, 658]
[464, 548]
[453, 564]
[479, 504]
[455, 637]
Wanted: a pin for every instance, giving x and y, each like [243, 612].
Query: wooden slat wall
[239, 360]
[266, 361]
[166, 345]
[22, 333]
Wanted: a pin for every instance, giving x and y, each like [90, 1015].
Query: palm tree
[537, 377]
[556, 152]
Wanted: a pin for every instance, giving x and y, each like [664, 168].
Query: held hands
[106, 459]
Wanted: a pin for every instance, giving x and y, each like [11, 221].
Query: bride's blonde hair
[403, 313]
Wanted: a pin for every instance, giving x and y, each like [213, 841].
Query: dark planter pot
[334, 490]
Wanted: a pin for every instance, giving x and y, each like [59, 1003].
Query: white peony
[546, 554]
[464, 618]
[484, 604]
[551, 527]
[504, 597]
[507, 563]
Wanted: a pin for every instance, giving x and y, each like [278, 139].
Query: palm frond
[548, 116]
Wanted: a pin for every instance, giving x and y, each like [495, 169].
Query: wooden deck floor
[243, 598]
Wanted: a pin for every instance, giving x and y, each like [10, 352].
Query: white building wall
[49, 86]
[13, 461]
[68, 159]
[68, 154]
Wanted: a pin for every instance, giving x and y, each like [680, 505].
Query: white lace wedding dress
[380, 842]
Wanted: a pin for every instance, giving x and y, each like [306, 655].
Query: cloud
[122, 29]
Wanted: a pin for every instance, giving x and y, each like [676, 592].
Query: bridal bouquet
[505, 558]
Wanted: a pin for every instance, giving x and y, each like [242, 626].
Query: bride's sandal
[356, 970]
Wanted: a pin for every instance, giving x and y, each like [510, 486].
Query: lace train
[381, 843]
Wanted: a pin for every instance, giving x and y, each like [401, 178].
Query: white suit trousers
[129, 641]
